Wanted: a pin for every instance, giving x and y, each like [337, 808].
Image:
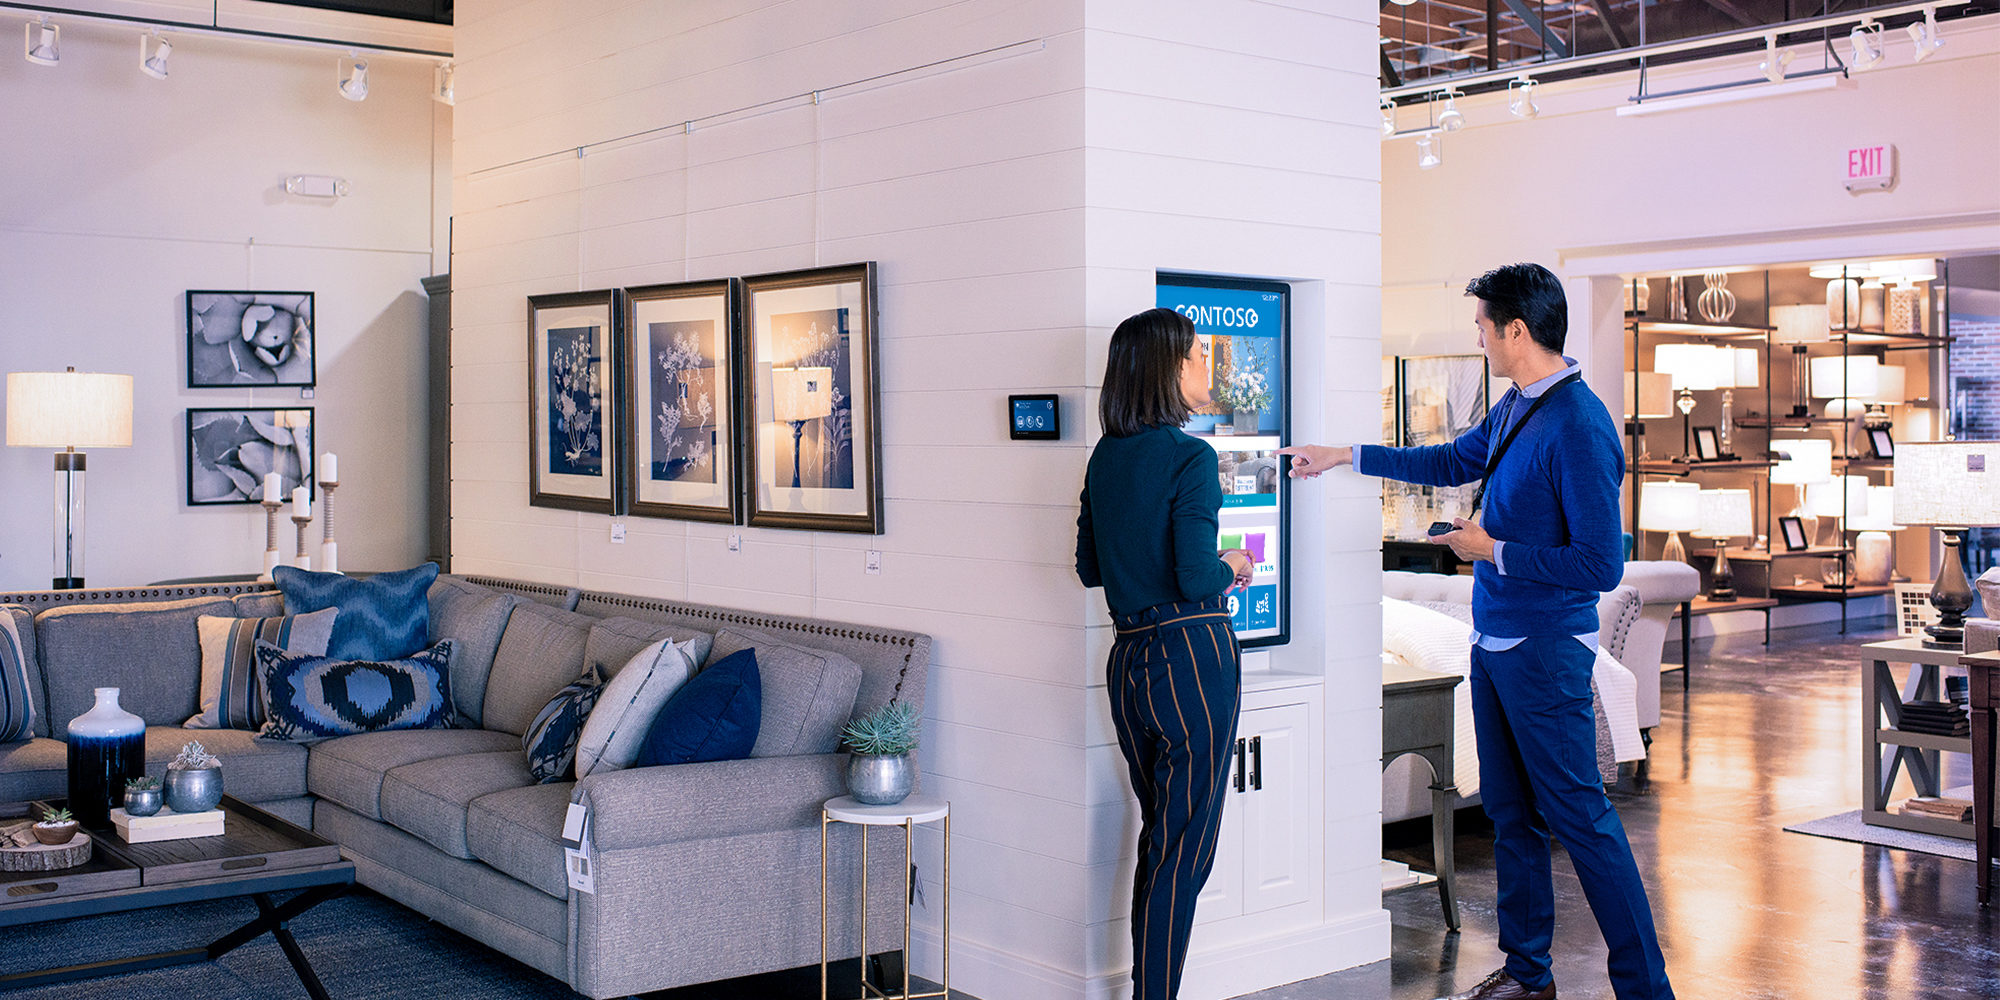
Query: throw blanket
[1436, 636]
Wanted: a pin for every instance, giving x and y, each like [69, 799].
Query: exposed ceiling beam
[1603, 8]
[1555, 45]
[1737, 14]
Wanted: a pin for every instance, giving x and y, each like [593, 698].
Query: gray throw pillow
[808, 693]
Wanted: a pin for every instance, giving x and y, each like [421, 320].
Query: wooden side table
[1886, 748]
[1983, 669]
[1417, 718]
[906, 814]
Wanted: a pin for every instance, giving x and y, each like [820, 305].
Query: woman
[1147, 536]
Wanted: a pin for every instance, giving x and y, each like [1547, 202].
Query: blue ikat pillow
[319, 697]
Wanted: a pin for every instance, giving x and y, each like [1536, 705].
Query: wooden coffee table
[258, 854]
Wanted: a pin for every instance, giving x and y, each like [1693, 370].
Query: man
[1548, 544]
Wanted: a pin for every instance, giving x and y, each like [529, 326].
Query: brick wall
[1975, 404]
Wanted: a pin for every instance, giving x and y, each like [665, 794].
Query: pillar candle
[273, 488]
[301, 502]
[329, 472]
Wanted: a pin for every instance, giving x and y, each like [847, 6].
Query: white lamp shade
[1806, 324]
[1656, 395]
[69, 410]
[1859, 381]
[1841, 496]
[1747, 363]
[1695, 366]
[1724, 513]
[1948, 484]
[1669, 506]
[1811, 461]
[1891, 385]
[801, 393]
[1881, 514]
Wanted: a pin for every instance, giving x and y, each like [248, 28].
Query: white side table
[906, 814]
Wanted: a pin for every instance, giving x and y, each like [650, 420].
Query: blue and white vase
[107, 747]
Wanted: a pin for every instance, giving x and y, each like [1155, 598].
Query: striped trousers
[1175, 684]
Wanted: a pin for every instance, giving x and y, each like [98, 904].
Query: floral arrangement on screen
[1247, 387]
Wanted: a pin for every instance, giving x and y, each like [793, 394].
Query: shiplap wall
[1017, 202]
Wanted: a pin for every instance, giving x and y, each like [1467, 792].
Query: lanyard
[1493, 459]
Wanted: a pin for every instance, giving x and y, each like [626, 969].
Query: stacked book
[167, 825]
[1935, 718]
[1933, 807]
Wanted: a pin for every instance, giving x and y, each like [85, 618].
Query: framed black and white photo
[1794, 531]
[572, 432]
[231, 450]
[1880, 443]
[813, 434]
[678, 398]
[250, 338]
[1707, 447]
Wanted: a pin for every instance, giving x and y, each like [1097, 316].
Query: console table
[1983, 669]
[1886, 748]
[1417, 718]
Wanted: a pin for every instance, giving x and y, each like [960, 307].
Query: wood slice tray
[46, 857]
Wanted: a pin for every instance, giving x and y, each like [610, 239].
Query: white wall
[1018, 205]
[127, 191]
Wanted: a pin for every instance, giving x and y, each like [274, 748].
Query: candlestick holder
[329, 550]
[271, 557]
[302, 560]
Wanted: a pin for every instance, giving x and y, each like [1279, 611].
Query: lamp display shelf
[1766, 555]
[1761, 422]
[1876, 335]
[1670, 467]
[1820, 591]
[1862, 462]
[1697, 328]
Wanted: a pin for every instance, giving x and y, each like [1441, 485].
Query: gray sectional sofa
[703, 871]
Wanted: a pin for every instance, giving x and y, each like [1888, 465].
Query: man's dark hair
[1529, 293]
[1142, 377]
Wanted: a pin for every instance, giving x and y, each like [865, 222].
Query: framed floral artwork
[230, 450]
[678, 400]
[572, 446]
[249, 338]
[813, 435]
[1439, 397]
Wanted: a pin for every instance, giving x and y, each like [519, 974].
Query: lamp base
[1951, 595]
[1722, 579]
[68, 583]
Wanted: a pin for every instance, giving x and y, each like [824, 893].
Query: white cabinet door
[1277, 834]
[1222, 897]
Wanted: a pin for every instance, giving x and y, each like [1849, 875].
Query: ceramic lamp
[1673, 508]
[1951, 486]
[1874, 547]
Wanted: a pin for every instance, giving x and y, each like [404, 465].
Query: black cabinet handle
[1239, 765]
[1257, 763]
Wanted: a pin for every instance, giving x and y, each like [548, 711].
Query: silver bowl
[880, 779]
[143, 801]
[193, 790]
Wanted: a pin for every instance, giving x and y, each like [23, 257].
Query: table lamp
[1802, 462]
[1797, 326]
[1673, 508]
[69, 410]
[799, 395]
[1653, 399]
[1950, 486]
[1692, 367]
[1725, 514]
[1847, 381]
[1839, 499]
[1874, 547]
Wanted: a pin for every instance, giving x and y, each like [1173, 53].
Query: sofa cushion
[429, 798]
[350, 770]
[629, 704]
[381, 618]
[24, 630]
[252, 770]
[474, 618]
[18, 712]
[712, 717]
[149, 650]
[541, 651]
[319, 697]
[808, 693]
[519, 832]
[550, 742]
[615, 641]
[35, 768]
[232, 688]
[262, 604]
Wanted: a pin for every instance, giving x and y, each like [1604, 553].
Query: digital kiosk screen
[1246, 325]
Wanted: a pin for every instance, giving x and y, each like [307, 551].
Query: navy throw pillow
[385, 617]
[712, 717]
[311, 698]
[551, 739]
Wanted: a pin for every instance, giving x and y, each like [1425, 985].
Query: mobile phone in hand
[1442, 528]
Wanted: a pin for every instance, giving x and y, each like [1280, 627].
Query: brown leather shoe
[1501, 986]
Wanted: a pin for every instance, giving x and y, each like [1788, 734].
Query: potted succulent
[194, 780]
[56, 828]
[142, 796]
[880, 772]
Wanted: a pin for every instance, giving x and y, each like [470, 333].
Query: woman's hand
[1240, 564]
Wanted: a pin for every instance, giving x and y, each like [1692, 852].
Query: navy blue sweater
[1553, 500]
[1147, 530]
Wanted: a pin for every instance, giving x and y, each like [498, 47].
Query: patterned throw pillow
[232, 690]
[384, 617]
[17, 704]
[316, 697]
[551, 739]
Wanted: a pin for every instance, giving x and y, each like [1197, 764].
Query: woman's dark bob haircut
[1142, 378]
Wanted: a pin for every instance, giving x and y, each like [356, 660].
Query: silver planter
[142, 801]
[193, 789]
[880, 779]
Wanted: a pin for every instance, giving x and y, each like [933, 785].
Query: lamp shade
[1724, 514]
[1746, 367]
[801, 393]
[1695, 366]
[1858, 381]
[1881, 514]
[1891, 385]
[1669, 506]
[69, 409]
[1948, 484]
[1811, 461]
[1841, 496]
[1656, 395]
[1806, 324]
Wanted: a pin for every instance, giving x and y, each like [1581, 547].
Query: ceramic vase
[107, 747]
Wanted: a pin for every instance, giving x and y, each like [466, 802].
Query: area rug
[1848, 826]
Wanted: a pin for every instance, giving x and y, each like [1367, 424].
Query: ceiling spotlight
[1864, 44]
[1775, 62]
[441, 85]
[354, 78]
[1427, 156]
[1449, 119]
[1521, 98]
[42, 44]
[1388, 117]
[1924, 35]
[153, 53]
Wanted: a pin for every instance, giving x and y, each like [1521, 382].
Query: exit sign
[1870, 168]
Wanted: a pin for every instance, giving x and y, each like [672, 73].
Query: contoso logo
[1220, 316]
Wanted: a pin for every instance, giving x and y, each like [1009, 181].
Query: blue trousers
[1175, 683]
[1537, 776]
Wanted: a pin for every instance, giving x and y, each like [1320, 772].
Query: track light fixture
[43, 43]
[1427, 153]
[1521, 98]
[1864, 45]
[441, 85]
[1449, 119]
[1924, 35]
[1775, 62]
[354, 78]
[1388, 117]
[153, 53]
